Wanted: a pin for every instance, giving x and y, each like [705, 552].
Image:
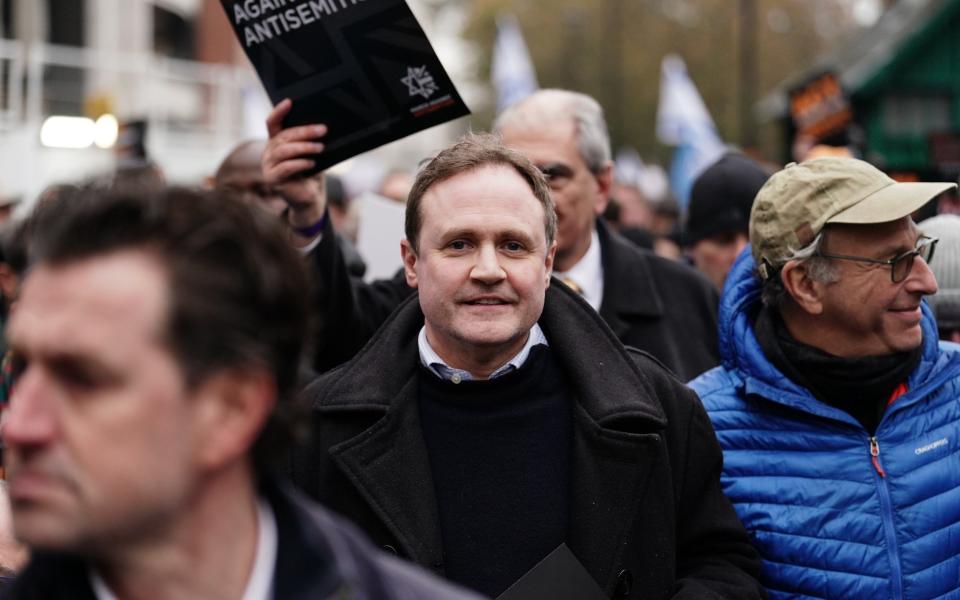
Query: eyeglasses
[901, 265]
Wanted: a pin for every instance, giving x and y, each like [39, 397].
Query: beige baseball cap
[796, 202]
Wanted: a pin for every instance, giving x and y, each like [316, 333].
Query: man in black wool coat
[652, 303]
[495, 416]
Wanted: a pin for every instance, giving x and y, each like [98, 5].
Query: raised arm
[346, 310]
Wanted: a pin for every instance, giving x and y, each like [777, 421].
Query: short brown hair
[471, 152]
[238, 289]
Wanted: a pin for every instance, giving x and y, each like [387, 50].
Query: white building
[173, 63]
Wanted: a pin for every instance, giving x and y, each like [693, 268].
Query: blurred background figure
[13, 554]
[396, 185]
[719, 214]
[634, 210]
[240, 174]
[948, 203]
[8, 204]
[666, 229]
[13, 263]
[135, 171]
[146, 178]
[946, 267]
[806, 147]
[342, 209]
[649, 223]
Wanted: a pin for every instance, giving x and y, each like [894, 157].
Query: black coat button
[624, 584]
[390, 549]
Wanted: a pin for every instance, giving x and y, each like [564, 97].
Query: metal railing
[196, 111]
[139, 83]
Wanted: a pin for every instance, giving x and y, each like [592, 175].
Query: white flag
[630, 169]
[511, 69]
[683, 121]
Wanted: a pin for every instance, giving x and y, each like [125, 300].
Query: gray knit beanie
[946, 267]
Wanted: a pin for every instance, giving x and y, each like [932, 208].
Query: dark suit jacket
[648, 517]
[658, 305]
[661, 306]
[318, 557]
[346, 310]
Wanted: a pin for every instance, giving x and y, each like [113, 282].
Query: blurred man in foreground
[157, 342]
[836, 406]
[494, 416]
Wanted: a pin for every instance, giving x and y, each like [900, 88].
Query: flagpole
[748, 71]
[614, 69]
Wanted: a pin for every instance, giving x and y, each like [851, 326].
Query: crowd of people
[205, 399]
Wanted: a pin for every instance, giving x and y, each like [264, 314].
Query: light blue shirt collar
[432, 361]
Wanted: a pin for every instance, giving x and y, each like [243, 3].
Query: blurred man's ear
[231, 408]
[604, 178]
[805, 292]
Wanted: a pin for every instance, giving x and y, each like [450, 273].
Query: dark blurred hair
[474, 151]
[237, 288]
[13, 245]
[336, 195]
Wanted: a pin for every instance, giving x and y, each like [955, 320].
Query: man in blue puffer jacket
[837, 408]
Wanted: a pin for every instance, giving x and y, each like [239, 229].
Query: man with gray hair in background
[651, 303]
[836, 405]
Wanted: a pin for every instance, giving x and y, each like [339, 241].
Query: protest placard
[364, 68]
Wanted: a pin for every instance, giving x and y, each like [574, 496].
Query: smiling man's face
[869, 314]
[482, 266]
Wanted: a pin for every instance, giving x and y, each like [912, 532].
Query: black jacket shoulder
[319, 556]
[659, 305]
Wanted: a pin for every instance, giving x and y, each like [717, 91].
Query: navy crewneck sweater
[499, 454]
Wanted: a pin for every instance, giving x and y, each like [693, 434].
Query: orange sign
[820, 108]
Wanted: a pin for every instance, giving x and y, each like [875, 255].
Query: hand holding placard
[365, 69]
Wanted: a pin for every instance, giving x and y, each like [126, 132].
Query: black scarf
[860, 386]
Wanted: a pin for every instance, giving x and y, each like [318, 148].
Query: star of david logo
[419, 82]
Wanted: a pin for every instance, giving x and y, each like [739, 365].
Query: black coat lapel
[628, 289]
[618, 424]
[387, 462]
[389, 466]
[611, 472]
